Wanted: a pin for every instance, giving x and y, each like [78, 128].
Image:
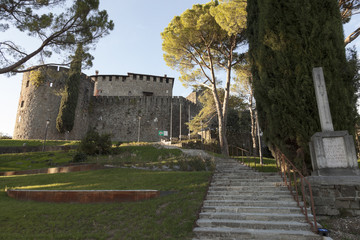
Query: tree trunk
[253, 128]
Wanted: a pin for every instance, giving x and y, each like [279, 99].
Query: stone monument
[335, 179]
[332, 152]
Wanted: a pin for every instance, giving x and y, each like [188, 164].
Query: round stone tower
[39, 102]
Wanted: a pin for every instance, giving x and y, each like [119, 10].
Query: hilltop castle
[130, 107]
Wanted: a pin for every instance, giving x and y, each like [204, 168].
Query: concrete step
[247, 178]
[273, 197]
[251, 209]
[254, 216]
[247, 188]
[249, 203]
[253, 224]
[222, 233]
[246, 183]
[251, 193]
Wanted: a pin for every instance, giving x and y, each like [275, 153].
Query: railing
[298, 186]
[245, 155]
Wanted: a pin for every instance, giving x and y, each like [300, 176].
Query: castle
[130, 107]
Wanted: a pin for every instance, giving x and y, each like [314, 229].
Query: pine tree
[287, 40]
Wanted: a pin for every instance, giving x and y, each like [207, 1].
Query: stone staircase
[244, 204]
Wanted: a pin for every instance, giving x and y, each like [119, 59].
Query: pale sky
[133, 46]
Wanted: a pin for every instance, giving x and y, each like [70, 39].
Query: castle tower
[133, 85]
[40, 100]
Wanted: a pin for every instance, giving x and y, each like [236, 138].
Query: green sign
[163, 133]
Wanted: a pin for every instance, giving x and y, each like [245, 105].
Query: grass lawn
[170, 216]
[34, 160]
[19, 143]
[167, 217]
[268, 166]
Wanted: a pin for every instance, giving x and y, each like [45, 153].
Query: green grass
[268, 166]
[167, 217]
[33, 160]
[19, 143]
[137, 154]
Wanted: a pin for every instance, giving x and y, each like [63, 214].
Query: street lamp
[139, 129]
[46, 129]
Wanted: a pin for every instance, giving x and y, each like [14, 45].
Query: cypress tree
[66, 115]
[287, 40]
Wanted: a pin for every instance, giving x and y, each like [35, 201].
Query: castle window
[27, 83]
[110, 78]
[161, 79]
[148, 94]
[134, 76]
[103, 77]
[22, 104]
[167, 80]
[117, 77]
[147, 78]
[154, 78]
[141, 77]
[124, 78]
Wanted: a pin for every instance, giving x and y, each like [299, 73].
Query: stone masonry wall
[123, 116]
[39, 104]
[133, 85]
[337, 197]
[119, 115]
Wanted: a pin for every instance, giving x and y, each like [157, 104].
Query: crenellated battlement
[133, 84]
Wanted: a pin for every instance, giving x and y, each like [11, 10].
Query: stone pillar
[332, 152]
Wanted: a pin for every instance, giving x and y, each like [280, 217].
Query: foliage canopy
[78, 21]
[287, 39]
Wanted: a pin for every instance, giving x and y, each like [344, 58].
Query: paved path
[244, 204]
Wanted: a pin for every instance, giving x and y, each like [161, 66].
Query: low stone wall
[83, 196]
[35, 149]
[336, 195]
[64, 169]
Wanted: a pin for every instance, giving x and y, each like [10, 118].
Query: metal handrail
[234, 152]
[292, 177]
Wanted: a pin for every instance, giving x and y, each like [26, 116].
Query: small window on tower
[27, 83]
[22, 104]
[110, 78]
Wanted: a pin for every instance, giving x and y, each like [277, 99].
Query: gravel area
[342, 228]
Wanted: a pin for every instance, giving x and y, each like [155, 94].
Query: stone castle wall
[132, 85]
[125, 117]
[39, 104]
[118, 115]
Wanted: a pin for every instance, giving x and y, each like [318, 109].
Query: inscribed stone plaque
[335, 152]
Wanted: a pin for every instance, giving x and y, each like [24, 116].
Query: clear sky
[133, 46]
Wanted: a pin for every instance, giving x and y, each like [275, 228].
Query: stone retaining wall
[21, 149]
[64, 169]
[83, 196]
[334, 196]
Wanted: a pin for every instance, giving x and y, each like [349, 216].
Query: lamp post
[139, 129]
[46, 129]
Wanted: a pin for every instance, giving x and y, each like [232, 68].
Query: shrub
[95, 143]
[79, 157]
